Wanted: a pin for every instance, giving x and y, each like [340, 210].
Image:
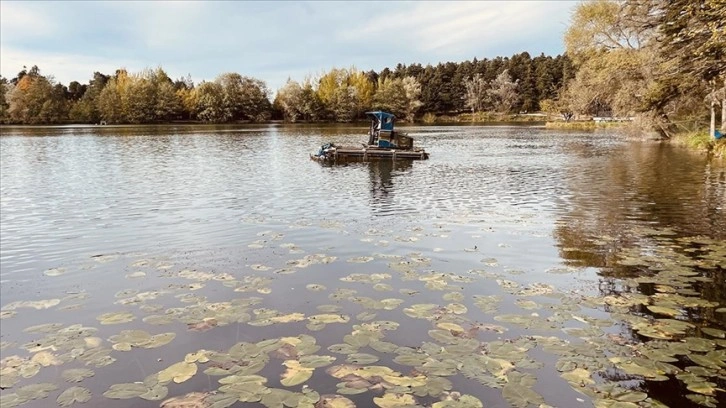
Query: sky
[269, 40]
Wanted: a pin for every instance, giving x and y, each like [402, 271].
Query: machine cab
[381, 133]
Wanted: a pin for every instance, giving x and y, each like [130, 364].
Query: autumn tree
[390, 96]
[35, 99]
[85, 110]
[244, 98]
[476, 93]
[412, 91]
[289, 99]
[311, 107]
[503, 92]
[210, 102]
[5, 86]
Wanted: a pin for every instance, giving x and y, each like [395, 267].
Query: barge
[383, 143]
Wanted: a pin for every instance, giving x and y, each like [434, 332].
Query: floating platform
[383, 144]
[354, 153]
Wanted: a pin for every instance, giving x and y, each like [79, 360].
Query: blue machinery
[383, 143]
[381, 133]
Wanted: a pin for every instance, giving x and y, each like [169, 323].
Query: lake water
[518, 266]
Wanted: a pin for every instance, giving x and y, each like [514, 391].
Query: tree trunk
[712, 131]
[723, 108]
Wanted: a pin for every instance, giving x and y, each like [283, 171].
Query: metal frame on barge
[383, 143]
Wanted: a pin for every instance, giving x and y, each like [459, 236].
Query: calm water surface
[547, 224]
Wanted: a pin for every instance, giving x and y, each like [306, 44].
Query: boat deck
[343, 153]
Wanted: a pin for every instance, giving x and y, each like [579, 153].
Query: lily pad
[334, 401]
[295, 373]
[75, 375]
[178, 372]
[115, 318]
[125, 391]
[72, 395]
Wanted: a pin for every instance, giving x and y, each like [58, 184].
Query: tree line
[660, 61]
[504, 84]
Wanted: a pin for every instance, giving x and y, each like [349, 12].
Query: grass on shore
[700, 140]
[582, 125]
[482, 117]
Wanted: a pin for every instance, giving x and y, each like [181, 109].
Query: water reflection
[650, 218]
[382, 174]
[246, 205]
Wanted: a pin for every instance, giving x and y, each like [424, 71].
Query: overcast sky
[270, 40]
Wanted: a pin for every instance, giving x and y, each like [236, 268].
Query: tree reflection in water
[644, 213]
[382, 173]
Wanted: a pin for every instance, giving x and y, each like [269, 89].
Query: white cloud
[267, 40]
[458, 26]
[25, 19]
[65, 68]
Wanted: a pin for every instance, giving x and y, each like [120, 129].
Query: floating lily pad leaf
[463, 401]
[664, 310]
[383, 346]
[315, 287]
[390, 400]
[704, 387]
[361, 358]
[520, 396]
[35, 304]
[329, 308]
[295, 373]
[487, 304]
[452, 327]
[349, 388]
[279, 398]
[314, 361]
[292, 317]
[46, 358]
[456, 308]
[36, 391]
[207, 324]
[366, 316]
[43, 328]
[527, 304]
[191, 400]
[703, 400]
[579, 377]
[135, 275]
[698, 344]
[629, 396]
[411, 359]
[714, 332]
[115, 318]
[178, 372]
[75, 375]
[361, 259]
[54, 272]
[334, 401]
[125, 391]
[159, 340]
[6, 314]
[706, 361]
[329, 318]
[11, 400]
[73, 395]
[382, 287]
[155, 393]
[420, 311]
[443, 336]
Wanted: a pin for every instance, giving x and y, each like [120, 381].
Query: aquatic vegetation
[490, 326]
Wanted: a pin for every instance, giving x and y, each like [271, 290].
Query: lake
[215, 266]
